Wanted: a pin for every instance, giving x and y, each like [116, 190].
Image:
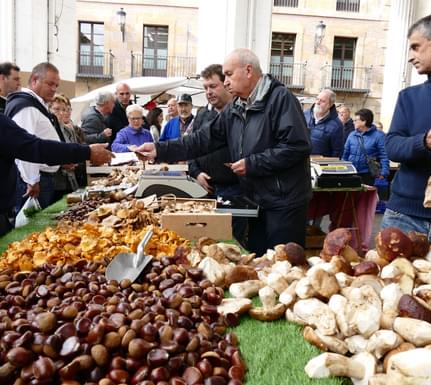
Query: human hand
[146, 151]
[239, 167]
[32, 190]
[69, 167]
[203, 179]
[107, 132]
[132, 147]
[99, 154]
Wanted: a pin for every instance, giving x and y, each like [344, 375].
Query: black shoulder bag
[373, 163]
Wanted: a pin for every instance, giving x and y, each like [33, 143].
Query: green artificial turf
[275, 352]
[39, 222]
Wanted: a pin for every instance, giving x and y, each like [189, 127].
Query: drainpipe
[47, 31]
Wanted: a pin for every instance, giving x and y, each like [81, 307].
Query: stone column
[228, 24]
[396, 73]
[7, 30]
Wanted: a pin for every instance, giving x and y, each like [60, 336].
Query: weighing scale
[334, 173]
[238, 206]
[169, 182]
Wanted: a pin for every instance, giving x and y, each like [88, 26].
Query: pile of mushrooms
[371, 316]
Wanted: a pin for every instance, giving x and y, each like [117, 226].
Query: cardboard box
[194, 226]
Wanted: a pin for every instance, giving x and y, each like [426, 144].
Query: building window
[286, 3]
[91, 46]
[348, 5]
[282, 49]
[343, 62]
[155, 52]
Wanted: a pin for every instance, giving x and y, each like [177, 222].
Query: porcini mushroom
[234, 305]
[316, 313]
[246, 289]
[268, 314]
[410, 367]
[392, 243]
[413, 330]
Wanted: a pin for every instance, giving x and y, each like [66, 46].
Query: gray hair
[40, 70]
[246, 56]
[332, 95]
[134, 108]
[422, 26]
[104, 97]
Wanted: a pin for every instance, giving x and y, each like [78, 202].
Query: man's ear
[249, 69]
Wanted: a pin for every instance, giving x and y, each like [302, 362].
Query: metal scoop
[130, 265]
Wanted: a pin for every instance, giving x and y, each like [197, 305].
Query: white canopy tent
[144, 88]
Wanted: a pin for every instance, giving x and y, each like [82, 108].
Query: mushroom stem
[332, 364]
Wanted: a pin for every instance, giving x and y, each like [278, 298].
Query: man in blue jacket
[409, 141]
[181, 124]
[326, 129]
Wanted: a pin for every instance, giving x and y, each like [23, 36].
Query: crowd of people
[252, 139]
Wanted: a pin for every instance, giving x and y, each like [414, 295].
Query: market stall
[62, 321]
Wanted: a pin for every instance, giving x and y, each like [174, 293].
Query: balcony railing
[292, 75]
[162, 66]
[347, 79]
[96, 65]
[286, 3]
[348, 5]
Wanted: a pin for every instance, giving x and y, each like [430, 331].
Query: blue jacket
[405, 143]
[128, 136]
[327, 135]
[172, 129]
[374, 144]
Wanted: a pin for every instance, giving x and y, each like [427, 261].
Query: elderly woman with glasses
[134, 134]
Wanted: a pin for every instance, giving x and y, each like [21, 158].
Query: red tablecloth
[347, 208]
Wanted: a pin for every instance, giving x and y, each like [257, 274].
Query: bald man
[117, 119]
[268, 141]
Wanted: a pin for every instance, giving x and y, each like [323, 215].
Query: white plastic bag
[30, 206]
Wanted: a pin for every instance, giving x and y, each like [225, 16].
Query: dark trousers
[46, 196]
[239, 224]
[276, 226]
[5, 223]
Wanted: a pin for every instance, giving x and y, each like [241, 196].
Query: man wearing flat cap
[181, 124]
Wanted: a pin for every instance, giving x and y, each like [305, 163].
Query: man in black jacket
[269, 145]
[10, 81]
[117, 119]
[17, 143]
[210, 170]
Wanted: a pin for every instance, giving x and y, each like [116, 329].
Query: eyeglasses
[123, 93]
[136, 119]
[59, 110]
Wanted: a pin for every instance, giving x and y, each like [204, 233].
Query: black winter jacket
[117, 119]
[17, 143]
[212, 164]
[272, 138]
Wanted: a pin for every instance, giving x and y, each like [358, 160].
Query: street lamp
[121, 17]
[319, 34]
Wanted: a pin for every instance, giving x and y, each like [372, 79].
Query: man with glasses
[117, 119]
[10, 81]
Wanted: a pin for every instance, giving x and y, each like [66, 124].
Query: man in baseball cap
[182, 123]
